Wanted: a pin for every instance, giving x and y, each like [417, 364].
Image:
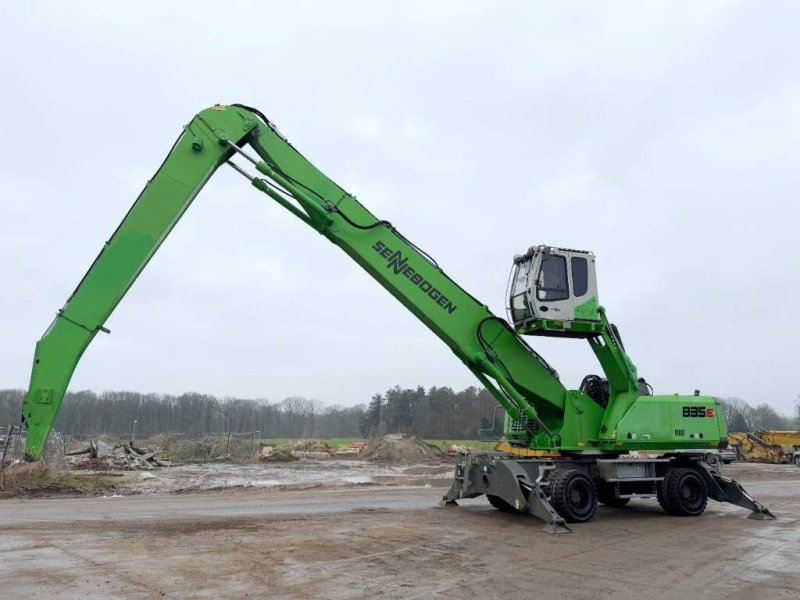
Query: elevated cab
[553, 292]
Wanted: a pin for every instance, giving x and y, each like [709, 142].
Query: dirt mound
[39, 480]
[277, 455]
[312, 446]
[402, 449]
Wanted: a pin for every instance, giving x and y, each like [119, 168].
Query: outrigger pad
[761, 514]
[726, 489]
[556, 528]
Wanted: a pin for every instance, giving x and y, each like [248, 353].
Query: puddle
[303, 473]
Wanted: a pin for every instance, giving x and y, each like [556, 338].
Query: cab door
[552, 295]
[583, 285]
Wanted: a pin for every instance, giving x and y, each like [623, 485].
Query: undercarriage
[567, 490]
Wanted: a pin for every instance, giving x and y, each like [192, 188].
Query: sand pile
[402, 449]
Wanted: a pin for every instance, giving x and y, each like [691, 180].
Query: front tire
[683, 493]
[573, 495]
[797, 460]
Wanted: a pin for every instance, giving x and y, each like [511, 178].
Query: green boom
[540, 412]
[525, 385]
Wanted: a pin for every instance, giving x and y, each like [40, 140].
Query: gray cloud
[662, 136]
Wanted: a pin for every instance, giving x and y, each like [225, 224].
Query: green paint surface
[587, 310]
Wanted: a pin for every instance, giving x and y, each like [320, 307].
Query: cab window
[520, 285]
[580, 275]
[552, 281]
[519, 293]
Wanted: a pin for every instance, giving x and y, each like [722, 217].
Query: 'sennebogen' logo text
[399, 263]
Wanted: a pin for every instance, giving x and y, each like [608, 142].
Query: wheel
[661, 495]
[797, 460]
[605, 495]
[573, 495]
[684, 493]
[500, 504]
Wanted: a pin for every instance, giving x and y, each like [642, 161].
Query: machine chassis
[541, 486]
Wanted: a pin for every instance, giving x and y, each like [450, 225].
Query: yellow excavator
[774, 447]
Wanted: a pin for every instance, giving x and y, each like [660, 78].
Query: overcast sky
[662, 136]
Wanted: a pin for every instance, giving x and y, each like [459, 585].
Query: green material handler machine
[566, 450]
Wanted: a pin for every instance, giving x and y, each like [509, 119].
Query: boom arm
[527, 388]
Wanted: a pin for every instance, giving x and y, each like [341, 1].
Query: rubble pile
[101, 455]
[399, 448]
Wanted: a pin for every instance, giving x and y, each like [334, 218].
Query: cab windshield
[518, 299]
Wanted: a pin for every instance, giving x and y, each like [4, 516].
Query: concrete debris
[99, 454]
[102, 449]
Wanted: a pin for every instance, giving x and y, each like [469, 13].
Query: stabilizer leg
[502, 476]
[538, 504]
[725, 489]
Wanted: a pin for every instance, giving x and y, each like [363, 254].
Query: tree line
[194, 414]
[743, 417]
[436, 412]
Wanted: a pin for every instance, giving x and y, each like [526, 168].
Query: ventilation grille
[680, 432]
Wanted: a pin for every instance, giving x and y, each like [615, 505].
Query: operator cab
[553, 292]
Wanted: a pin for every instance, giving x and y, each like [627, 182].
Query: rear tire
[501, 504]
[797, 460]
[684, 493]
[573, 495]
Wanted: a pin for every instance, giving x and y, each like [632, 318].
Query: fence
[12, 447]
[11, 440]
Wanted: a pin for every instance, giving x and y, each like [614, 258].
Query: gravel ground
[339, 542]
